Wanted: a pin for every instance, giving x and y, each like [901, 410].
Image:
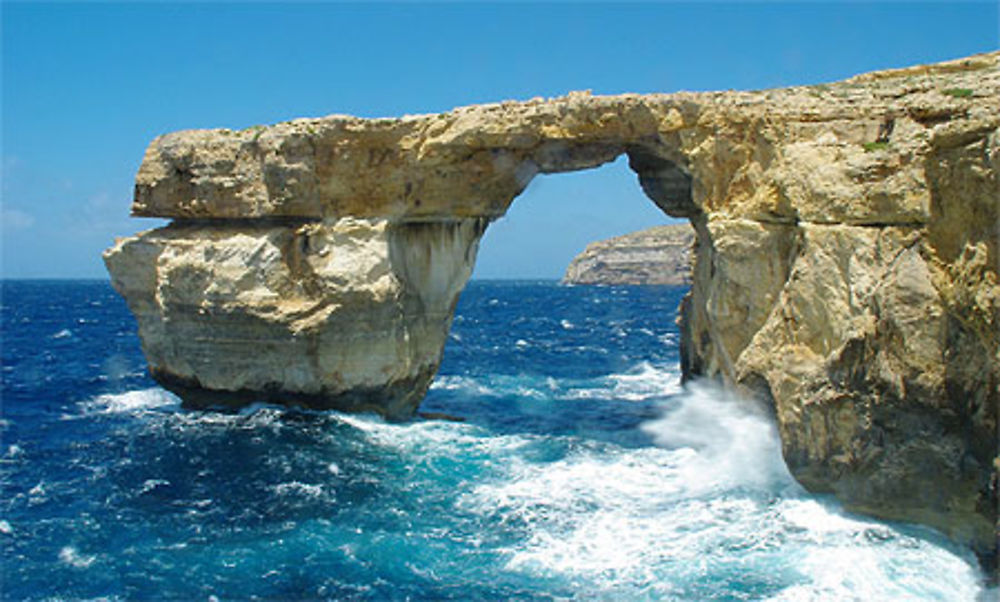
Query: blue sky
[87, 86]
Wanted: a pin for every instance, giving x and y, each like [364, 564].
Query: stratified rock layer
[846, 261]
[658, 255]
[349, 314]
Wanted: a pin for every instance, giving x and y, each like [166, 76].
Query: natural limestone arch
[846, 261]
[403, 210]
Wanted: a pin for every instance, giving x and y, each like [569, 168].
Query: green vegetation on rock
[957, 92]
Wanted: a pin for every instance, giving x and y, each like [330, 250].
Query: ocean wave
[714, 499]
[642, 382]
[71, 556]
[421, 440]
[299, 489]
[842, 557]
[734, 443]
[37, 494]
[461, 383]
[527, 387]
[150, 484]
[669, 339]
[253, 417]
[131, 402]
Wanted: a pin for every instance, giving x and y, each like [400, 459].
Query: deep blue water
[582, 470]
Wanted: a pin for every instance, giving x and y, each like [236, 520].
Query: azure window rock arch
[318, 261]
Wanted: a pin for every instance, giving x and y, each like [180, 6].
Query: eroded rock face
[349, 314]
[658, 255]
[846, 261]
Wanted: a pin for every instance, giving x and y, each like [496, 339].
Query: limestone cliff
[845, 264]
[349, 313]
[658, 255]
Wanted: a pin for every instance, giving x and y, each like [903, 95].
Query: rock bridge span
[845, 271]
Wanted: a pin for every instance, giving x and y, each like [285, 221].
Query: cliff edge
[845, 273]
[657, 255]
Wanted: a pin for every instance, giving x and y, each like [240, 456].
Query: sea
[581, 469]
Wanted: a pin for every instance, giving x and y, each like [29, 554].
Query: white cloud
[15, 219]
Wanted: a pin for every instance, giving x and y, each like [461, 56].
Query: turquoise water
[582, 470]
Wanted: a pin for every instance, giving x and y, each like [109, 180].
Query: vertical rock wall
[847, 275]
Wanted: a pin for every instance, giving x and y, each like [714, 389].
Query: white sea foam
[839, 564]
[254, 417]
[132, 402]
[500, 385]
[640, 383]
[433, 438]
[71, 556]
[63, 334]
[713, 498]
[645, 381]
[151, 484]
[298, 488]
[37, 494]
[668, 339]
[463, 383]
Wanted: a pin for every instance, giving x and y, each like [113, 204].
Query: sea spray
[709, 512]
[735, 442]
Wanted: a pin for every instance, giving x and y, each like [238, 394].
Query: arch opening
[577, 195]
[528, 345]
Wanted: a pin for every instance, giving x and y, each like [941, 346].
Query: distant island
[658, 255]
